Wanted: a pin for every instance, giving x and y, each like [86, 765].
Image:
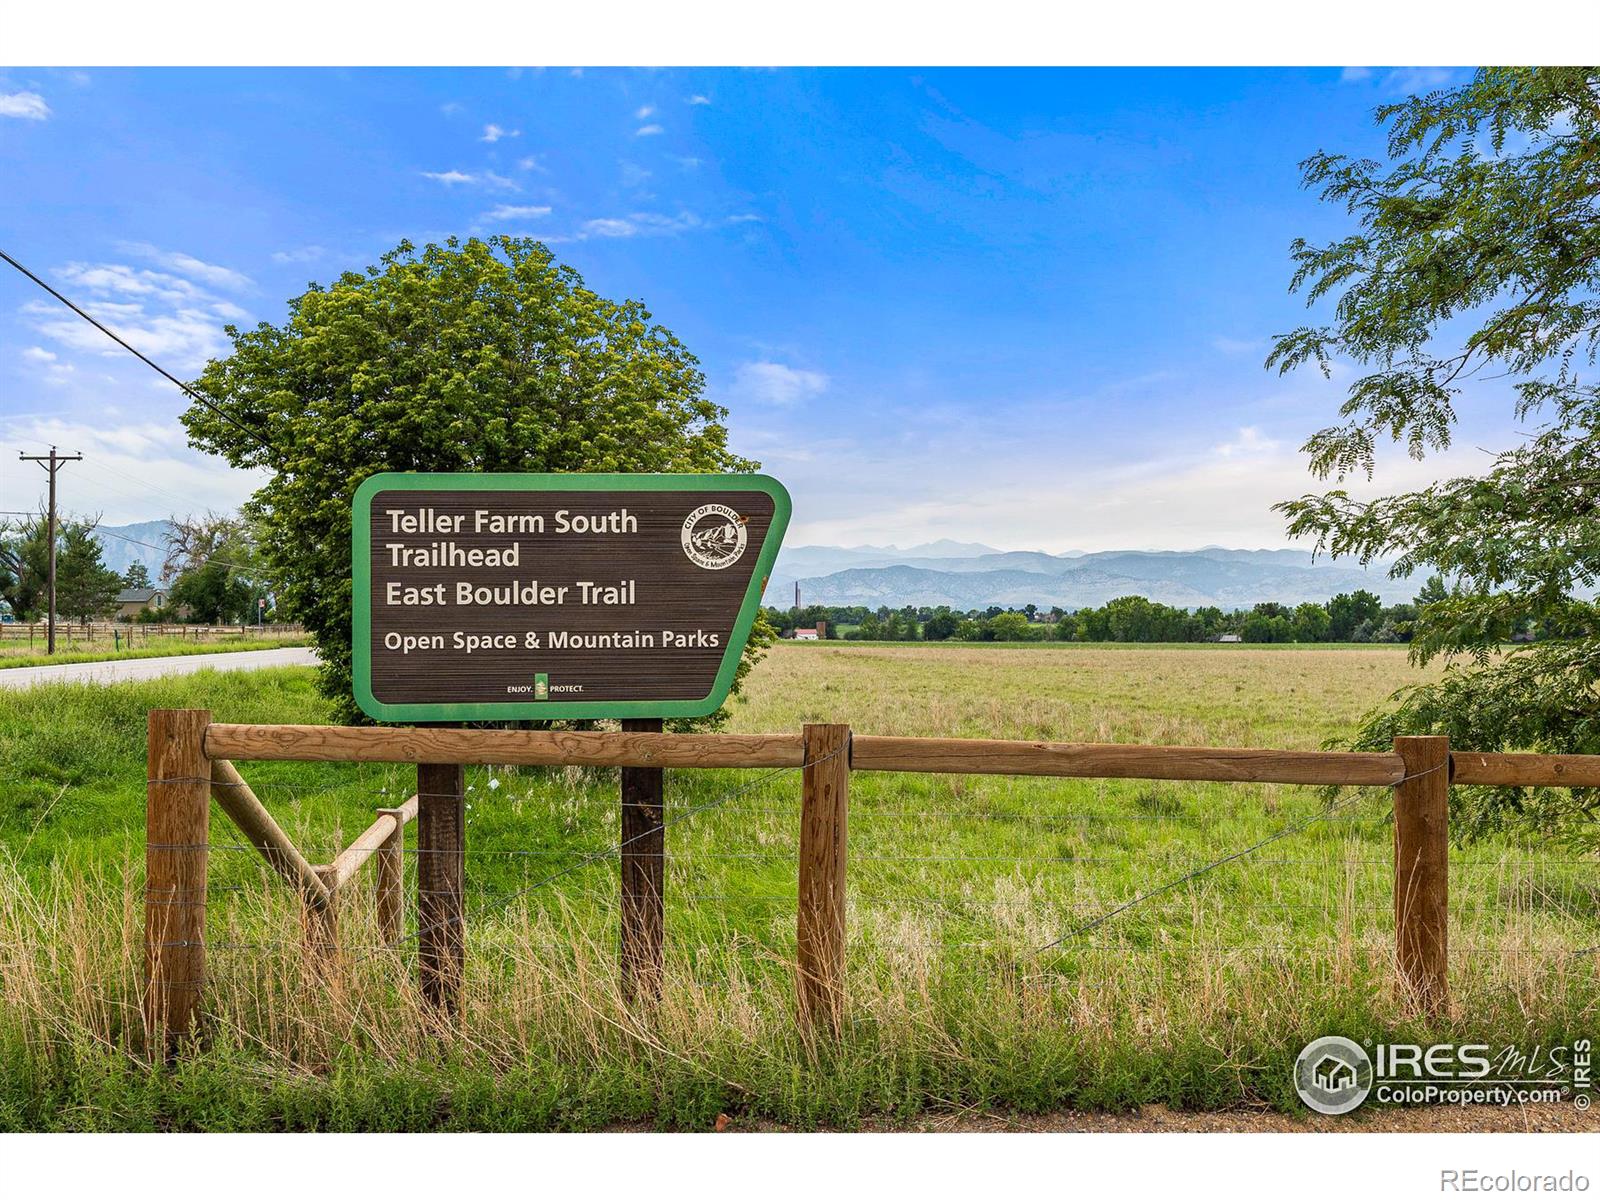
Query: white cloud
[645, 111]
[452, 107]
[1409, 81]
[633, 174]
[124, 280]
[184, 337]
[1228, 345]
[1355, 74]
[649, 224]
[493, 133]
[530, 163]
[139, 471]
[38, 354]
[640, 224]
[1105, 496]
[698, 100]
[486, 179]
[517, 212]
[174, 320]
[610, 227]
[301, 254]
[190, 267]
[777, 384]
[26, 106]
[648, 131]
[1248, 442]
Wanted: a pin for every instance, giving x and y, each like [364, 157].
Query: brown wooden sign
[554, 596]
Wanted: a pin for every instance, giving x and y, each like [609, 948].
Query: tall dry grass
[293, 1039]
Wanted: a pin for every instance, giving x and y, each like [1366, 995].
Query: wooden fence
[191, 762]
[130, 633]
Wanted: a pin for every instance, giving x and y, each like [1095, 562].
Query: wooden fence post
[819, 931]
[322, 919]
[441, 882]
[1422, 869]
[643, 853]
[391, 897]
[177, 830]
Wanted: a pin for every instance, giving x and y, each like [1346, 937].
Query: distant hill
[123, 545]
[981, 576]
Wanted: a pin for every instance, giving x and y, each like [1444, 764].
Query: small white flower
[494, 785]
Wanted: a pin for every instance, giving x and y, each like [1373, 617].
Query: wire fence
[1046, 876]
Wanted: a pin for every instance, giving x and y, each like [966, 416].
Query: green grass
[1198, 998]
[161, 648]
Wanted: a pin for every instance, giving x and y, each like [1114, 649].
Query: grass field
[1198, 997]
[20, 653]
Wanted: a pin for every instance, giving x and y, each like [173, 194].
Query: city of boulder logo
[714, 536]
[1333, 1075]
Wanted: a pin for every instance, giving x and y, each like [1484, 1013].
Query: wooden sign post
[552, 597]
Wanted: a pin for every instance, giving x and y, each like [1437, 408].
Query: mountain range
[966, 575]
[123, 545]
[969, 575]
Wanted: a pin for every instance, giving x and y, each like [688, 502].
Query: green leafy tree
[1009, 627]
[470, 356]
[1311, 623]
[24, 555]
[1475, 255]
[941, 626]
[1433, 591]
[1348, 611]
[1259, 627]
[136, 576]
[212, 594]
[85, 587]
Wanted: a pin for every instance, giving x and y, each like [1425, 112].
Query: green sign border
[554, 710]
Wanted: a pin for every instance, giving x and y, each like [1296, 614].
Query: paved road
[154, 668]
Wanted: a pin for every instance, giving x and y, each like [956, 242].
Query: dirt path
[1156, 1118]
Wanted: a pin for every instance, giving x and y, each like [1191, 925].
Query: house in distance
[133, 601]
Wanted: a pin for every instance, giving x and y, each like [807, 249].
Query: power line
[209, 558]
[149, 362]
[122, 537]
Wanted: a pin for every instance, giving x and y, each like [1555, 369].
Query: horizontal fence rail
[502, 747]
[951, 756]
[975, 756]
[1525, 770]
[191, 762]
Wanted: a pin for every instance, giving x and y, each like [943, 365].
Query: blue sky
[1023, 307]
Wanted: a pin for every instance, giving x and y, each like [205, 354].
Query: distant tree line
[1359, 616]
[211, 562]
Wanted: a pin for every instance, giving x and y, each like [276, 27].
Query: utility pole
[52, 463]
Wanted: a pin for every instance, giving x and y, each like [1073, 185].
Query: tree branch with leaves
[1475, 258]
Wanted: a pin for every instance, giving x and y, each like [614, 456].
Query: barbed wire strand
[1179, 881]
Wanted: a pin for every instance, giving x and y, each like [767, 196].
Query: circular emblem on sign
[1333, 1075]
[714, 536]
